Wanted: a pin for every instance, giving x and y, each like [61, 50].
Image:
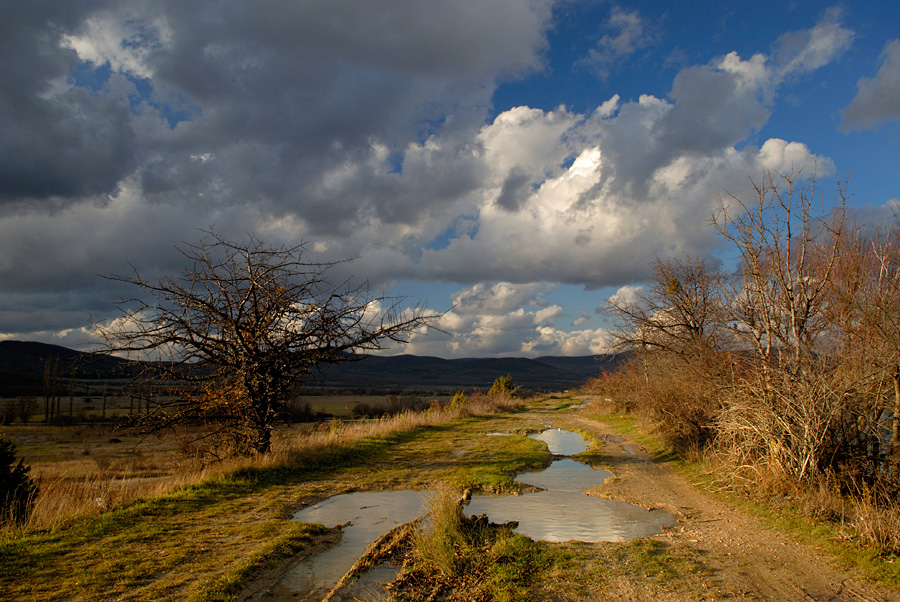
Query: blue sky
[515, 163]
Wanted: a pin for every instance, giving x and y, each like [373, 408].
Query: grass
[203, 540]
[793, 510]
[472, 558]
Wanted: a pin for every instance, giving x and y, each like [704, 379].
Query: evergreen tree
[17, 490]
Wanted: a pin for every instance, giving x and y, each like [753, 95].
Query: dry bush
[780, 422]
[877, 524]
[479, 404]
[619, 391]
[680, 407]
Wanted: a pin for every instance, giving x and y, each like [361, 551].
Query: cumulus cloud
[365, 132]
[877, 98]
[507, 319]
[627, 295]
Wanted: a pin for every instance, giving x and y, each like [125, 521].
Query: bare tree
[787, 251]
[243, 325]
[867, 306]
[790, 404]
[677, 331]
[679, 314]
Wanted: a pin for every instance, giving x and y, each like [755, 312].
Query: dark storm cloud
[276, 94]
[515, 189]
[55, 143]
[126, 126]
[292, 91]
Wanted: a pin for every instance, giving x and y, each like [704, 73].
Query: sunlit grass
[199, 531]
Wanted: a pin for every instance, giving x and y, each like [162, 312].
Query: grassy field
[206, 533]
[202, 533]
[99, 407]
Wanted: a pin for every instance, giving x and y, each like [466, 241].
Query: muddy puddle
[560, 512]
[560, 442]
[366, 516]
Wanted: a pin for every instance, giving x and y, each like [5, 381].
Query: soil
[747, 559]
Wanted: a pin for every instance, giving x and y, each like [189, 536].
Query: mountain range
[23, 365]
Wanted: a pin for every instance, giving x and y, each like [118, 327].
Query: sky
[511, 163]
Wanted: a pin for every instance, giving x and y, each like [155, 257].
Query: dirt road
[747, 559]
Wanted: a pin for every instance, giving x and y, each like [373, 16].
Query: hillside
[22, 365]
[409, 371]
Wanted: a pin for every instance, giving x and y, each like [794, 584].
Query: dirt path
[747, 559]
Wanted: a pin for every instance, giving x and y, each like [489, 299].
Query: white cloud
[627, 35]
[498, 319]
[806, 50]
[626, 295]
[877, 98]
[123, 39]
[580, 342]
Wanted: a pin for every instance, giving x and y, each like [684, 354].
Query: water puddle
[565, 475]
[371, 515]
[567, 515]
[562, 512]
[562, 443]
[559, 513]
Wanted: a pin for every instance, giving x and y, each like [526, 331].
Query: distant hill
[410, 372]
[22, 366]
[23, 363]
[31, 358]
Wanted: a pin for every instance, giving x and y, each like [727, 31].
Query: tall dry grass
[689, 420]
[62, 497]
[442, 536]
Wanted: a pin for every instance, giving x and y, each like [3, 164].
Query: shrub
[503, 384]
[17, 489]
[397, 404]
[459, 400]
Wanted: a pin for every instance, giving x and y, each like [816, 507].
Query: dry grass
[755, 469]
[90, 470]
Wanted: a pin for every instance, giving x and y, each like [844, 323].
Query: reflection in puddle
[562, 443]
[565, 475]
[568, 515]
[372, 514]
[562, 512]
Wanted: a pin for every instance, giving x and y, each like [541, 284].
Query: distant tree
[680, 314]
[243, 325]
[26, 406]
[17, 489]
